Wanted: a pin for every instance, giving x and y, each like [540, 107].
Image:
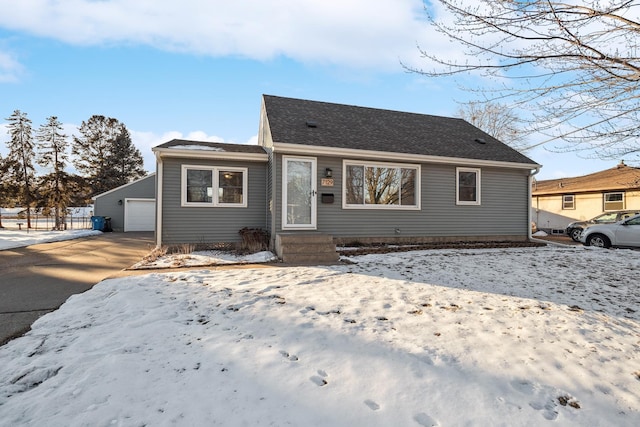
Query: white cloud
[10, 68]
[354, 33]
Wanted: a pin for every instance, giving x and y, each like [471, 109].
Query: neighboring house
[557, 202]
[131, 207]
[351, 173]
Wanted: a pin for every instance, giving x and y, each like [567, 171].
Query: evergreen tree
[104, 154]
[21, 156]
[4, 196]
[53, 155]
[125, 159]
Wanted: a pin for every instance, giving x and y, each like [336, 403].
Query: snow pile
[204, 258]
[503, 337]
[10, 239]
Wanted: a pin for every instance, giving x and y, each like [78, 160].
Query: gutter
[159, 181]
[529, 196]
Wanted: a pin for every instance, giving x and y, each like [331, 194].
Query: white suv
[622, 233]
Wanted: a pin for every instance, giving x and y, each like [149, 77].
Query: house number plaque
[326, 182]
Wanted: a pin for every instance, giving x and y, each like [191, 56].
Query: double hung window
[568, 201]
[613, 201]
[467, 186]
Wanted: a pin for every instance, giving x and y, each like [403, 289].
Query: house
[557, 202]
[344, 174]
[131, 207]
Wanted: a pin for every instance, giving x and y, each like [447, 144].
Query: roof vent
[312, 124]
[480, 141]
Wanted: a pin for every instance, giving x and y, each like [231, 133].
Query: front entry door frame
[299, 193]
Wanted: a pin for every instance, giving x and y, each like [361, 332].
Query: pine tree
[3, 187]
[53, 155]
[125, 159]
[20, 157]
[105, 155]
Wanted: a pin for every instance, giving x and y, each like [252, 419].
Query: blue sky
[196, 69]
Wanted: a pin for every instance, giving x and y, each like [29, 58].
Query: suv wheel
[575, 234]
[599, 241]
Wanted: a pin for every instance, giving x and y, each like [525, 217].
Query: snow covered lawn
[491, 337]
[10, 239]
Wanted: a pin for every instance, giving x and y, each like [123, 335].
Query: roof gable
[618, 178]
[322, 124]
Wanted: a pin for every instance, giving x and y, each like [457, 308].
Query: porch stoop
[306, 248]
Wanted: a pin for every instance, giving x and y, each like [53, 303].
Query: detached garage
[139, 214]
[130, 206]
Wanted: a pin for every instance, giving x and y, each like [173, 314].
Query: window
[381, 186]
[214, 186]
[568, 201]
[613, 201]
[467, 186]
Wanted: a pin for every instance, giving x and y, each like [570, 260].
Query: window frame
[215, 186]
[373, 164]
[478, 200]
[565, 202]
[604, 201]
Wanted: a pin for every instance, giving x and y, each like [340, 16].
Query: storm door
[299, 193]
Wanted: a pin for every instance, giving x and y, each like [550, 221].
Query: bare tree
[498, 120]
[574, 65]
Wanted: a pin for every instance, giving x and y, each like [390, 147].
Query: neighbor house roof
[323, 124]
[150, 176]
[202, 149]
[619, 178]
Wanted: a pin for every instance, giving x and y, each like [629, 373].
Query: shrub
[253, 239]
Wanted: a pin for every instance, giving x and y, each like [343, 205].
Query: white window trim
[365, 164]
[564, 202]
[604, 201]
[476, 202]
[215, 186]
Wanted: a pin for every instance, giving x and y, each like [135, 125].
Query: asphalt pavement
[37, 279]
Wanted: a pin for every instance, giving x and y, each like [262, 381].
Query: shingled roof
[323, 124]
[183, 144]
[619, 178]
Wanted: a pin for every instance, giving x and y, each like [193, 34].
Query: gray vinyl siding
[106, 204]
[503, 209]
[209, 225]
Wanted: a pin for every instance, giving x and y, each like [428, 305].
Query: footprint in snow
[291, 357]
[425, 420]
[372, 405]
[544, 398]
[319, 379]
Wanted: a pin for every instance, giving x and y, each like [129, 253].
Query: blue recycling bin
[98, 222]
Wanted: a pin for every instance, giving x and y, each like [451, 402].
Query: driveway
[37, 279]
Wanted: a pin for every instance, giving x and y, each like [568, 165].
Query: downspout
[159, 182]
[531, 175]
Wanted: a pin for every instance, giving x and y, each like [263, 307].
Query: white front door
[299, 193]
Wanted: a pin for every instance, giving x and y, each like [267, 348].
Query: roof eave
[210, 154]
[385, 155]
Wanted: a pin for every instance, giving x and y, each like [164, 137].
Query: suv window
[627, 215]
[635, 221]
[607, 217]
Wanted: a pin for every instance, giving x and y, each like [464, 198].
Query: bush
[253, 240]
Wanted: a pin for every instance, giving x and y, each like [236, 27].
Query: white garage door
[139, 214]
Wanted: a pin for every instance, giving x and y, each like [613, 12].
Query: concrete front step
[306, 248]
